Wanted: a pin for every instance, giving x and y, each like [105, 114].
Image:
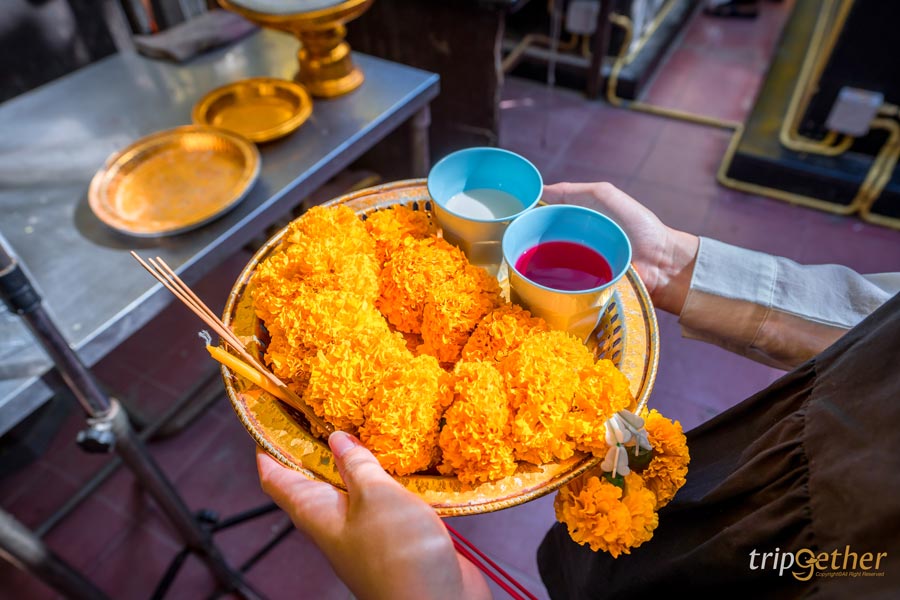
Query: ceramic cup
[477, 227]
[576, 311]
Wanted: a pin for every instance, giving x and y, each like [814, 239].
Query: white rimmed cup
[479, 236]
[575, 311]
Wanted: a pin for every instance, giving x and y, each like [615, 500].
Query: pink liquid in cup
[564, 266]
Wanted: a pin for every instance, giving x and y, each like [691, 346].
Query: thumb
[358, 467]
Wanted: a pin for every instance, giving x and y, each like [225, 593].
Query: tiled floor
[119, 538]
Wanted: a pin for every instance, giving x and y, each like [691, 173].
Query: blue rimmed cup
[575, 311]
[482, 171]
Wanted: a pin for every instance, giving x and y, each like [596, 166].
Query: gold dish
[173, 181]
[261, 109]
[284, 434]
[326, 65]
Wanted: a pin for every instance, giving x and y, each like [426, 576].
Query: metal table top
[54, 139]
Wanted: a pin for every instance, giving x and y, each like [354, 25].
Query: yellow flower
[416, 268]
[667, 469]
[607, 517]
[402, 420]
[390, 226]
[453, 309]
[343, 374]
[550, 375]
[501, 332]
[474, 437]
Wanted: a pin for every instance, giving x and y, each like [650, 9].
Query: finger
[554, 193]
[576, 193]
[316, 508]
[358, 467]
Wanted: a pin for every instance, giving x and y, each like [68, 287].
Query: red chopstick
[469, 550]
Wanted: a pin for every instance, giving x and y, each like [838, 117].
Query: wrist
[676, 267]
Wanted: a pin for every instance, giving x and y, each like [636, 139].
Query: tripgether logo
[805, 564]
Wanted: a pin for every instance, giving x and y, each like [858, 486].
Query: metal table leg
[109, 428]
[418, 138]
[27, 552]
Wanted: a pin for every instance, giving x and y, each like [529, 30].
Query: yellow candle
[246, 371]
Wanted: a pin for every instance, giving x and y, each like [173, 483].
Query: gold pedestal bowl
[326, 65]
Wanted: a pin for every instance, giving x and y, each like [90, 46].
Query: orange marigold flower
[327, 248]
[416, 268]
[603, 392]
[311, 321]
[454, 308]
[390, 226]
[339, 223]
[668, 468]
[402, 420]
[501, 332]
[543, 376]
[343, 373]
[605, 516]
[474, 437]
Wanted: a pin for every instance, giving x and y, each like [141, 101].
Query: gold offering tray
[173, 181]
[261, 109]
[627, 335]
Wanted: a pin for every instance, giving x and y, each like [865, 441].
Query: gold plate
[285, 435]
[173, 181]
[260, 109]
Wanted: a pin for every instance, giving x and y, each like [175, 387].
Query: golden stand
[326, 65]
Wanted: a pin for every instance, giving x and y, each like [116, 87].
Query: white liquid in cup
[484, 203]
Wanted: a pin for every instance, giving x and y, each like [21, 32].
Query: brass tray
[284, 434]
[173, 181]
[260, 109]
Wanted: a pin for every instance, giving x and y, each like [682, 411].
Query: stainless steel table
[54, 138]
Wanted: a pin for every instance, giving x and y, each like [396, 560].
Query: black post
[27, 552]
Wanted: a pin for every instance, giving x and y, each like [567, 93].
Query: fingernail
[341, 443]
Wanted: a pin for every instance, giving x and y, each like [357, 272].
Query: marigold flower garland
[388, 332]
[614, 507]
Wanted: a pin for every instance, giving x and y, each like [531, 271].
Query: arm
[770, 309]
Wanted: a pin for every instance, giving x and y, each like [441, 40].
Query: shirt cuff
[730, 296]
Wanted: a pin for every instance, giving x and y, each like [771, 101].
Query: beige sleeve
[775, 310]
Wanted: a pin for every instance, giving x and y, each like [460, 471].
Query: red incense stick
[463, 546]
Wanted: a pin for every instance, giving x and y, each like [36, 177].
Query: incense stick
[172, 282]
[469, 550]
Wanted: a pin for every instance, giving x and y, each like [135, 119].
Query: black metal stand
[26, 550]
[109, 428]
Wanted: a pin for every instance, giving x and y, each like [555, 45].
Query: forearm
[772, 309]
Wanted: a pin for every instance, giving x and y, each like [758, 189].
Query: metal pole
[600, 47]
[26, 551]
[420, 152]
[109, 427]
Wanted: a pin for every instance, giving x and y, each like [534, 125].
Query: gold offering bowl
[326, 65]
[628, 335]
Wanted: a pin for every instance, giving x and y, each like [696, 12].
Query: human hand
[664, 257]
[382, 540]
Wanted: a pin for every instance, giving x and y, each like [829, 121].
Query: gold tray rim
[97, 197]
[583, 462]
[200, 114]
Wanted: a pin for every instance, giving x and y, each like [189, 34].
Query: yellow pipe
[622, 60]
[887, 158]
[876, 178]
[817, 52]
